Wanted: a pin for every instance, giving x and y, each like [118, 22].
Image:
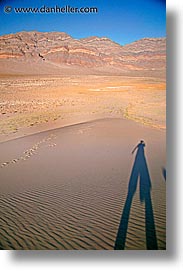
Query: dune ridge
[72, 195]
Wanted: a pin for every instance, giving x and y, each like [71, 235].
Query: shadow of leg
[122, 231]
[151, 240]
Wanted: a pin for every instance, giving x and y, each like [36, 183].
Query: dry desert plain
[68, 179]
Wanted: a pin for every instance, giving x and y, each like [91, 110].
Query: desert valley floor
[66, 167]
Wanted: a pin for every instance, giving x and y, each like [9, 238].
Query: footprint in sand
[4, 164]
[52, 145]
[85, 130]
[32, 151]
[14, 160]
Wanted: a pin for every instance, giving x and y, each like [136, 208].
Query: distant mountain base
[59, 53]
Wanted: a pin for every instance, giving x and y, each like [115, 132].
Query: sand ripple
[73, 196]
[48, 219]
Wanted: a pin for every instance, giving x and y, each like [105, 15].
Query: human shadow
[139, 171]
[164, 173]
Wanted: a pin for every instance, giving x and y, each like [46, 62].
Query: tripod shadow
[139, 171]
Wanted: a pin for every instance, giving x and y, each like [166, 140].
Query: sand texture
[79, 187]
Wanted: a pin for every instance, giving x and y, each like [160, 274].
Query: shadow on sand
[139, 171]
[164, 173]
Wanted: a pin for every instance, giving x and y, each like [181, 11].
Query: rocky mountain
[58, 49]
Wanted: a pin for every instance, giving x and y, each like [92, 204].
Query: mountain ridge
[59, 48]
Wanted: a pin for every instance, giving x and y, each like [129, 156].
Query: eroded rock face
[93, 52]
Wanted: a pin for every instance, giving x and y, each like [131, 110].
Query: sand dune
[71, 112]
[67, 188]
